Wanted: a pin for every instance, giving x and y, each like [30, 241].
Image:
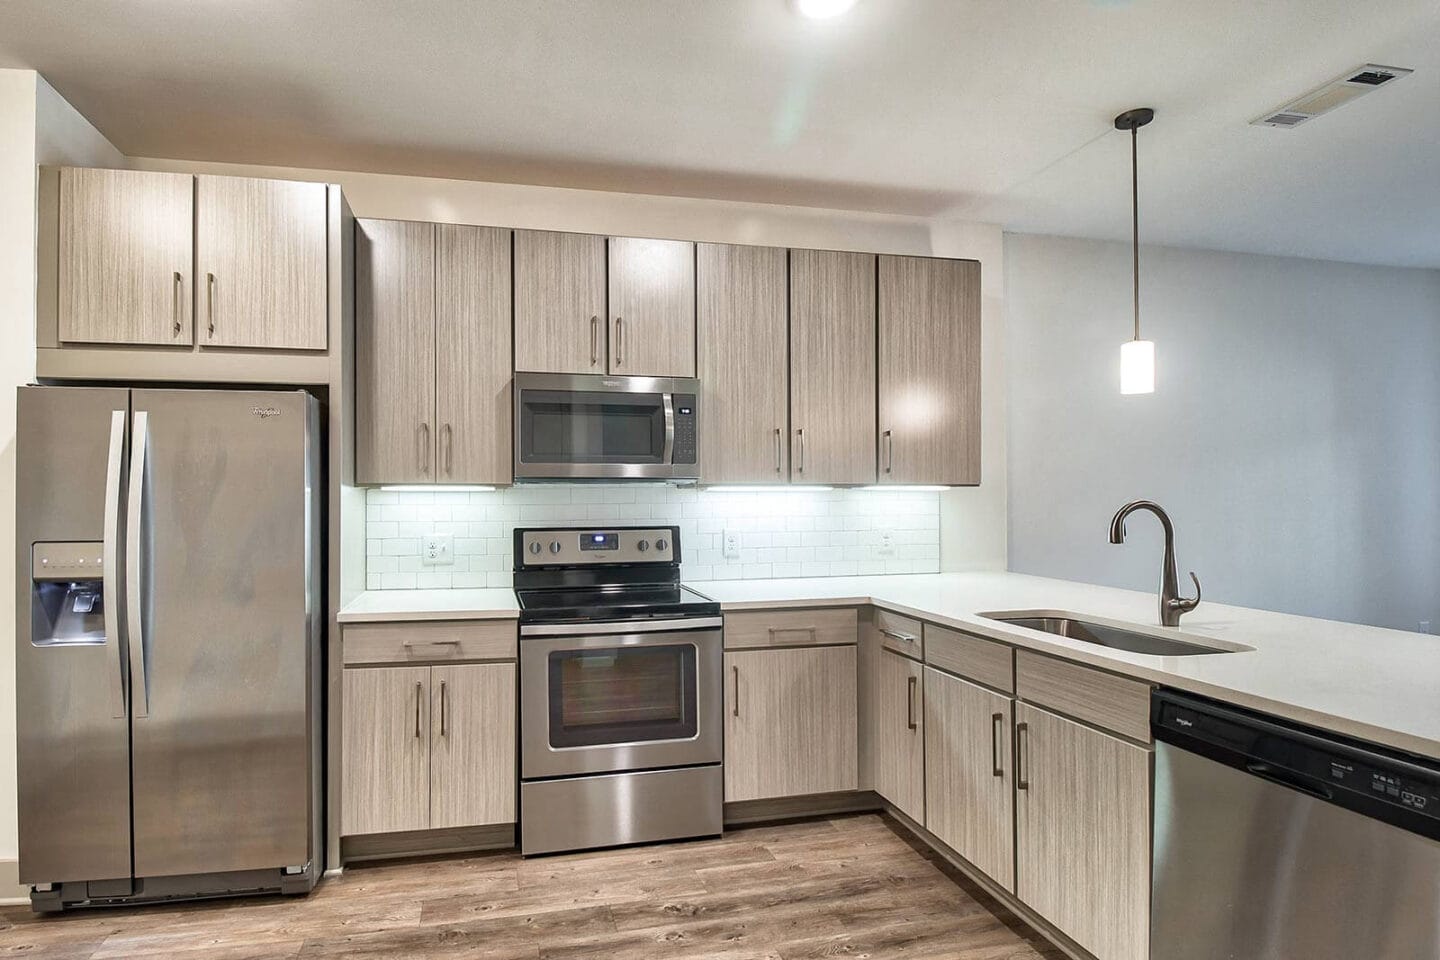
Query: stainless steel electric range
[621, 689]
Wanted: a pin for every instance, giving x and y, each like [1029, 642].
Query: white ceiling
[995, 110]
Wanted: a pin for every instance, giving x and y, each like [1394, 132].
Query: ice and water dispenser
[68, 594]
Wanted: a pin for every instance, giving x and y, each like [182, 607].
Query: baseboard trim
[746, 812]
[1007, 899]
[425, 843]
[13, 893]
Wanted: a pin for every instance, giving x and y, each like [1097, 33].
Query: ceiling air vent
[1336, 93]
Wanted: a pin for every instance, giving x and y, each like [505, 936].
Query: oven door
[610, 702]
[596, 427]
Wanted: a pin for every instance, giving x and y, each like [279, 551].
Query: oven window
[623, 695]
[561, 426]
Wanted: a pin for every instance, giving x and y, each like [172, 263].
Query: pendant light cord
[1135, 218]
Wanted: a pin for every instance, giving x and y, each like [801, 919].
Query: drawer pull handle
[430, 643]
[996, 720]
[1022, 737]
[901, 637]
[774, 630]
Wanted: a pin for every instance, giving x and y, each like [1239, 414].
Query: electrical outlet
[730, 544]
[887, 543]
[437, 551]
[1424, 626]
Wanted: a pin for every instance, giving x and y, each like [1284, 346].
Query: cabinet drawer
[430, 642]
[790, 628]
[901, 634]
[1114, 703]
[974, 658]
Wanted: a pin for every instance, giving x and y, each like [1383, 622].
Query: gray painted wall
[1294, 435]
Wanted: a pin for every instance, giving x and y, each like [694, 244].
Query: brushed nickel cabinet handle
[736, 710]
[419, 690]
[800, 435]
[1022, 737]
[430, 643]
[444, 708]
[424, 451]
[910, 686]
[777, 449]
[619, 341]
[177, 288]
[210, 301]
[996, 721]
[774, 630]
[901, 637]
[594, 340]
[449, 437]
[889, 439]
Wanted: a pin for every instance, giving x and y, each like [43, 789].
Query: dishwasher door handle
[1288, 778]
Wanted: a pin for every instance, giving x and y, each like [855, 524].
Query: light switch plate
[437, 550]
[730, 544]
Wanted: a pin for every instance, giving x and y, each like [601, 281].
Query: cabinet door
[929, 370]
[741, 343]
[968, 773]
[472, 355]
[394, 351]
[126, 257]
[1082, 826]
[385, 760]
[790, 723]
[899, 737]
[260, 252]
[560, 316]
[652, 307]
[472, 764]
[832, 367]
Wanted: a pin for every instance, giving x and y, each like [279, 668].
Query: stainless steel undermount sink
[1110, 635]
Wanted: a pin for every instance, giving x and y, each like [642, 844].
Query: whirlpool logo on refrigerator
[265, 413]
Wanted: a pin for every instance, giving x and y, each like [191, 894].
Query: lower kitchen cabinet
[428, 747]
[968, 773]
[790, 722]
[1082, 822]
[898, 734]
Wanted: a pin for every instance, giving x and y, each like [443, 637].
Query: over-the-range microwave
[598, 427]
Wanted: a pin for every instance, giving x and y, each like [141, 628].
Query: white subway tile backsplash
[782, 534]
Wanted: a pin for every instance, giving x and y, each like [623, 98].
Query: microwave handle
[669, 401]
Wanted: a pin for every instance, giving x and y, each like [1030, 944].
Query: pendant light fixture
[1137, 357]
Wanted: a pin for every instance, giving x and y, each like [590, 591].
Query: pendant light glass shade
[1137, 357]
[1137, 366]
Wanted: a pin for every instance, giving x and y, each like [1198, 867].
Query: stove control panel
[596, 545]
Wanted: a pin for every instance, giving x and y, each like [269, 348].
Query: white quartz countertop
[1375, 684]
[378, 606]
[1371, 683]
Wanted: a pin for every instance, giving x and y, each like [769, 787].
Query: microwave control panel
[684, 449]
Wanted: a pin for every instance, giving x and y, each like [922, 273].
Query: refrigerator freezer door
[228, 526]
[73, 734]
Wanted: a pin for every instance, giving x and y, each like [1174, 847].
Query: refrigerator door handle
[134, 537]
[110, 562]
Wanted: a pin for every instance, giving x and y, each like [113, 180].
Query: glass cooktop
[631, 602]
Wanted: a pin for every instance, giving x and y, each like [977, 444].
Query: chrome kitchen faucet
[1172, 605]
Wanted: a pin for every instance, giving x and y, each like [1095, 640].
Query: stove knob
[554, 546]
[661, 544]
[535, 547]
[643, 545]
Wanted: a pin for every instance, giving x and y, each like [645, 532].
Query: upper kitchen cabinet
[560, 315]
[126, 263]
[260, 253]
[740, 326]
[432, 357]
[652, 307]
[169, 277]
[929, 371]
[832, 367]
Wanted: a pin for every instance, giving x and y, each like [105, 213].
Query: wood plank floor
[854, 886]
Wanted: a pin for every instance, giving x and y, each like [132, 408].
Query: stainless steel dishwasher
[1279, 842]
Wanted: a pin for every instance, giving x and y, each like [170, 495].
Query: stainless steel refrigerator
[167, 643]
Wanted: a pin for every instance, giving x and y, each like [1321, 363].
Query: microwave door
[584, 434]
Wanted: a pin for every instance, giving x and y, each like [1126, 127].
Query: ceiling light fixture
[822, 9]
[1137, 357]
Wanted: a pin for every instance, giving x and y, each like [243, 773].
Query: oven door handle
[669, 401]
[619, 626]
